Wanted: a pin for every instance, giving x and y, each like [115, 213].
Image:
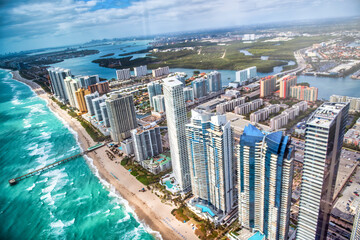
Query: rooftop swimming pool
[205, 209]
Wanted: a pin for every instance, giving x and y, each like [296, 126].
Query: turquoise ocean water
[67, 202]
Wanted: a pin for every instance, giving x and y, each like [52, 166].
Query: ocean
[70, 201]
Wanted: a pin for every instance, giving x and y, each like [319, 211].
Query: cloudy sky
[44, 23]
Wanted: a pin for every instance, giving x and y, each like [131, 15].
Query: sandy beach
[147, 206]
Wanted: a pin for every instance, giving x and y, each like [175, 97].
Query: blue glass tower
[265, 180]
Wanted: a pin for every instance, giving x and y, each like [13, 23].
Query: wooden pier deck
[13, 181]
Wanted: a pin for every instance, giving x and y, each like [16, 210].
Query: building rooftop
[325, 114]
[238, 123]
[172, 82]
[211, 104]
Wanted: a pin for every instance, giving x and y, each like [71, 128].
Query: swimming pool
[168, 184]
[205, 209]
[257, 236]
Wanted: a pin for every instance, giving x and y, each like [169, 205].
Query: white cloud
[64, 18]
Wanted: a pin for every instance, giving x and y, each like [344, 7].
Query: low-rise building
[248, 107]
[229, 105]
[211, 105]
[287, 115]
[263, 114]
[155, 165]
[231, 94]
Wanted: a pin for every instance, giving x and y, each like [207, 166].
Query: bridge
[14, 181]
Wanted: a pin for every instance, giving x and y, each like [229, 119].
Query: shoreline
[145, 205]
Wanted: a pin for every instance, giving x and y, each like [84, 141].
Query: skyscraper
[188, 94]
[104, 114]
[57, 77]
[140, 71]
[285, 84]
[122, 115]
[86, 81]
[214, 79]
[88, 101]
[265, 179]
[123, 74]
[323, 142]
[200, 87]
[243, 76]
[176, 120]
[154, 89]
[355, 233]
[159, 103]
[80, 99]
[210, 147]
[146, 141]
[100, 87]
[71, 86]
[304, 93]
[160, 71]
[267, 86]
[96, 106]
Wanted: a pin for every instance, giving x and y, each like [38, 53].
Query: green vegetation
[141, 174]
[214, 56]
[298, 118]
[108, 55]
[351, 146]
[95, 134]
[205, 229]
[43, 86]
[303, 84]
[355, 118]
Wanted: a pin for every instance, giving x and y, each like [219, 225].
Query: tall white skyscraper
[71, 86]
[176, 120]
[57, 77]
[88, 101]
[323, 142]
[210, 147]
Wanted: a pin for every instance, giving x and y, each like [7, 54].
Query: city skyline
[73, 22]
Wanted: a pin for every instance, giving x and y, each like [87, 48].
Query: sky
[37, 24]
